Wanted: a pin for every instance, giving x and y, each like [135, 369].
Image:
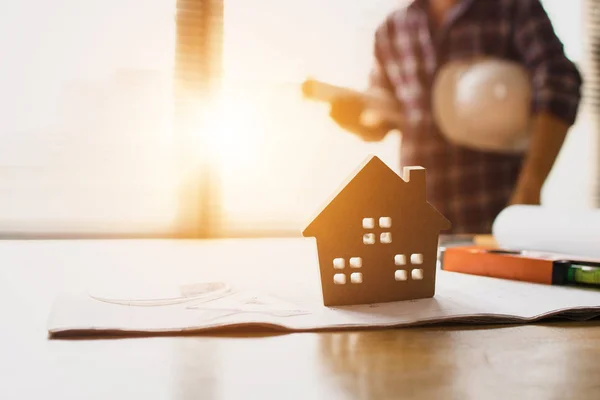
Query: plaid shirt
[469, 187]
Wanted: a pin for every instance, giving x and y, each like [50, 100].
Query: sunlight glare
[231, 129]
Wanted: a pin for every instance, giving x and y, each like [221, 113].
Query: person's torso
[468, 186]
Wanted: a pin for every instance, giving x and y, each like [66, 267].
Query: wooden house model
[377, 239]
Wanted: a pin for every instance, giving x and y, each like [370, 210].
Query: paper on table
[459, 298]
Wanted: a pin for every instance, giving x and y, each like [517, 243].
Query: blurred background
[184, 118]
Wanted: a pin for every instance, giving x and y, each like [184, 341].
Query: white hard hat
[484, 104]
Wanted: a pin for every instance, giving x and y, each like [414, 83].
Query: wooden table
[552, 361]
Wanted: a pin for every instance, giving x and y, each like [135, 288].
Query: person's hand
[347, 111]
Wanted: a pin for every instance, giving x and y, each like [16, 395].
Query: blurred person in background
[470, 187]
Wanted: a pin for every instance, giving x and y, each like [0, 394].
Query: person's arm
[556, 85]
[548, 134]
[347, 111]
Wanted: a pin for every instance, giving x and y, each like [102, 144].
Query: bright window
[85, 138]
[576, 166]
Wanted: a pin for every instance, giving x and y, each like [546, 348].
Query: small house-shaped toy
[377, 239]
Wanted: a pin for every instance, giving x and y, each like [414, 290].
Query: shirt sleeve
[556, 80]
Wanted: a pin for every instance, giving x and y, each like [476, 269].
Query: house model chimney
[415, 176]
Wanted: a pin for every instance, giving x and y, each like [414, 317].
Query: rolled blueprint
[538, 228]
[379, 105]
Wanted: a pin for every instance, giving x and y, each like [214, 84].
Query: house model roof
[373, 182]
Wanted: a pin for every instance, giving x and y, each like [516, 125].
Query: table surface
[549, 361]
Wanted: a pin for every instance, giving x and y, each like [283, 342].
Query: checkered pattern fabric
[469, 187]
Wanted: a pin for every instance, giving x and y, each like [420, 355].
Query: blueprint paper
[459, 298]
